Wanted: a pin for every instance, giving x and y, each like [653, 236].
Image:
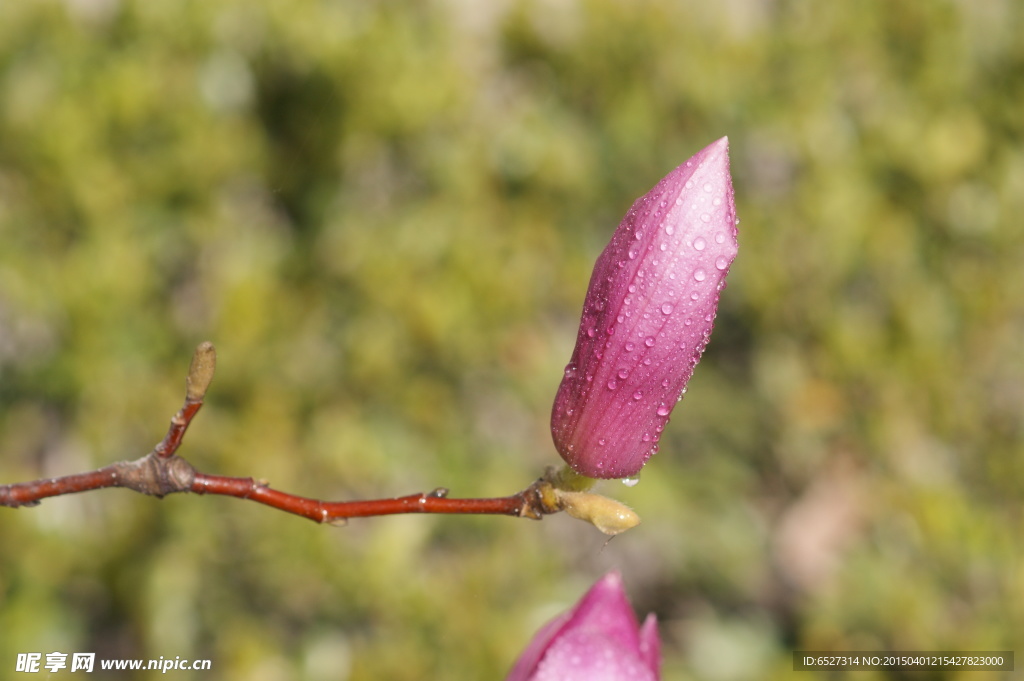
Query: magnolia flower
[598, 640]
[647, 318]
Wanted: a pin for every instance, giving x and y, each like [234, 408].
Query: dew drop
[638, 235]
[623, 373]
[649, 341]
[699, 243]
[590, 332]
[666, 308]
[663, 246]
[612, 384]
[629, 347]
[699, 274]
[679, 201]
[632, 288]
[631, 482]
[717, 201]
[708, 188]
[602, 442]
[637, 395]
[694, 296]
[689, 183]
[704, 217]
[721, 262]
[646, 437]
[632, 253]
[687, 321]
[664, 410]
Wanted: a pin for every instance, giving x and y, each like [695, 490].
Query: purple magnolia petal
[598, 639]
[647, 317]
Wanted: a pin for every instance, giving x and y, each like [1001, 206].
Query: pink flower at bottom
[598, 640]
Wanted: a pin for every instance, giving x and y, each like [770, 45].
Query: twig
[163, 472]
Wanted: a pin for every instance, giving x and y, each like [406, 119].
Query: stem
[527, 503]
[162, 472]
[569, 480]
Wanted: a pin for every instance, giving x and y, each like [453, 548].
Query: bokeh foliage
[384, 214]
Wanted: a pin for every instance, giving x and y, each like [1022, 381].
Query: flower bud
[597, 639]
[646, 319]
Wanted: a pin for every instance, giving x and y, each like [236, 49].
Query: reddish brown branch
[528, 503]
[162, 472]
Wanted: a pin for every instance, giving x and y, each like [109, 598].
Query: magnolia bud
[646, 319]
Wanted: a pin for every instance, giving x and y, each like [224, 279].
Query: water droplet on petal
[631, 482]
[637, 395]
[666, 308]
[632, 253]
[699, 274]
[664, 247]
[704, 217]
[591, 331]
[721, 262]
[602, 442]
[664, 410]
[708, 188]
[699, 243]
[719, 238]
[649, 341]
[623, 373]
[612, 384]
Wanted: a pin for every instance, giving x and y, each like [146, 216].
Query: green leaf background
[384, 214]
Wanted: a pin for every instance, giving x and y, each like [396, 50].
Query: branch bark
[162, 472]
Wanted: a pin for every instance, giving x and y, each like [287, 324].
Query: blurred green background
[384, 214]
